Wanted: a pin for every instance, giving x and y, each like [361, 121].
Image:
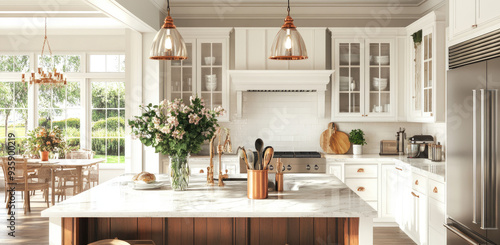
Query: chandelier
[45, 77]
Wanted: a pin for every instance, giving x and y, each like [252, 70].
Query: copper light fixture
[288, 43]
[41, 77]
[168, 43]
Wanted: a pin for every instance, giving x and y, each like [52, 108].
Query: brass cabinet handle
[361, 170]
[415, 195]
[361, 189]
[201, 171]
[474, 26]
[416, 182]
[400, 169]
[435, 190]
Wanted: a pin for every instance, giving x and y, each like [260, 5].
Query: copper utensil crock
[257, 184]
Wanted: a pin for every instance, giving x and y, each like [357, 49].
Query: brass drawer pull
[361, 170]
[415, 195]
[201, 171]
[435, 190]
[361, 189]
[400, 169]
[416, 182]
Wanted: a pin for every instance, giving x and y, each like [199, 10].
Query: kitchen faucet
[221, 148]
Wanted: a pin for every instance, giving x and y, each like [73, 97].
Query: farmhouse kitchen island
[313, 209]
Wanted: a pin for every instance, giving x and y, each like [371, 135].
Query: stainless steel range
[296, 162]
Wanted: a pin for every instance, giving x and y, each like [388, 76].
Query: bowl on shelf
[211, 86]
[209, 60]
[380, 60]
[211, 78]
[344, 58]
[379, 83]
[344, 83]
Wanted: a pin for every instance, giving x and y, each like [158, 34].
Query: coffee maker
[418, 147]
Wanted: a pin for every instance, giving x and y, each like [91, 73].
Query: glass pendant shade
[168, 43]
[288, 43]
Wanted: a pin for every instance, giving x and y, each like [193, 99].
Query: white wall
[289, 121]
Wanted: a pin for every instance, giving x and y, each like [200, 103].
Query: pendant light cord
[46, 40]
[288, 8]
[168, 7]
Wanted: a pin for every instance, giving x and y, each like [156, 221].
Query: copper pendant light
[168, 43]
[288, 43]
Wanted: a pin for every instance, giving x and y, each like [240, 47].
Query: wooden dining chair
[65, 179]
[91, 173]
[17, 178]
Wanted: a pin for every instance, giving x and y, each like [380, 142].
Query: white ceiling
[292, 2]
[61, 14]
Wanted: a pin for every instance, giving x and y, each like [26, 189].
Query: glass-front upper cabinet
[427, 70]
[204, 73]
[350, 80]
[362, 88]
[379, 78]
[211, 75]
[182, 75]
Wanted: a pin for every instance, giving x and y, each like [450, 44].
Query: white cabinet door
[487, 10]
[389, 191]
[335, 169]
[462, 15]
[419, 226]
[437, 233]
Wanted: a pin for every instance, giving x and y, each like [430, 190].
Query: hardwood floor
[33, 229]
[390, 235]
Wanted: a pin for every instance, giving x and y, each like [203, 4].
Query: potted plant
[176, 129]
[357, 138]
[44, 141]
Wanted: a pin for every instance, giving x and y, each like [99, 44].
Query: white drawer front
[419, 183]
[360, 171]
[373, 204]
[436, 190]
[365, 188]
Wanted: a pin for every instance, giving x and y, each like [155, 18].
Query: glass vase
[179, 172]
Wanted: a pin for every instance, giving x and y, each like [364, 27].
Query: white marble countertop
[305, 195]
[434, 170]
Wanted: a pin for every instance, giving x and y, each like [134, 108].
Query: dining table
[77, 164]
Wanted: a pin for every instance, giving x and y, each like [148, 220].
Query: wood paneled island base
[208, 231]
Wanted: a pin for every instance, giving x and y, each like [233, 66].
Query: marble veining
[305, 195]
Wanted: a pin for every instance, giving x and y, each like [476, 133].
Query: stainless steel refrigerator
[472, 172]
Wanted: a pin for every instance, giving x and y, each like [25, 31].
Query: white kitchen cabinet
[388, 192]
[365, 84]
[426, 70]
[419, 227]
[253, 47]
[336, 169]
[204, 73]
[471, 18]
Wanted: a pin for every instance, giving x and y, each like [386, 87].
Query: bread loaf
[144, 177]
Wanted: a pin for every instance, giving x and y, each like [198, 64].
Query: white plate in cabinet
[436, 190]
[365, 188]
[419, 183]
[361, 171]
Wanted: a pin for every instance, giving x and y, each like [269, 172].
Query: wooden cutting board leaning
[334, 141]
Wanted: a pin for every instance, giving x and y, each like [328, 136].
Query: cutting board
[324, 140]
[339, 141]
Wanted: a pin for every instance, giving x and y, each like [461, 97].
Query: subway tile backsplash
[289, 122]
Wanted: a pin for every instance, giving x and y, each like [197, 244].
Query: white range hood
[280, 81]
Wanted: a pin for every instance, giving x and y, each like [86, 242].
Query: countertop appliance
[419, 146]
[401, 138]
[296, 162]
[472, 172]
[388, 147]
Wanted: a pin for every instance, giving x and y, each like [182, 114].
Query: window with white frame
[63, 106]
[60, 106]
[13, 100]
[108, 120]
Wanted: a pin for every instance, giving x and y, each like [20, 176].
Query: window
[64, 63]
[108, 120]
[107, 63]
[60, 106]
[13, 113]
[14, 63]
